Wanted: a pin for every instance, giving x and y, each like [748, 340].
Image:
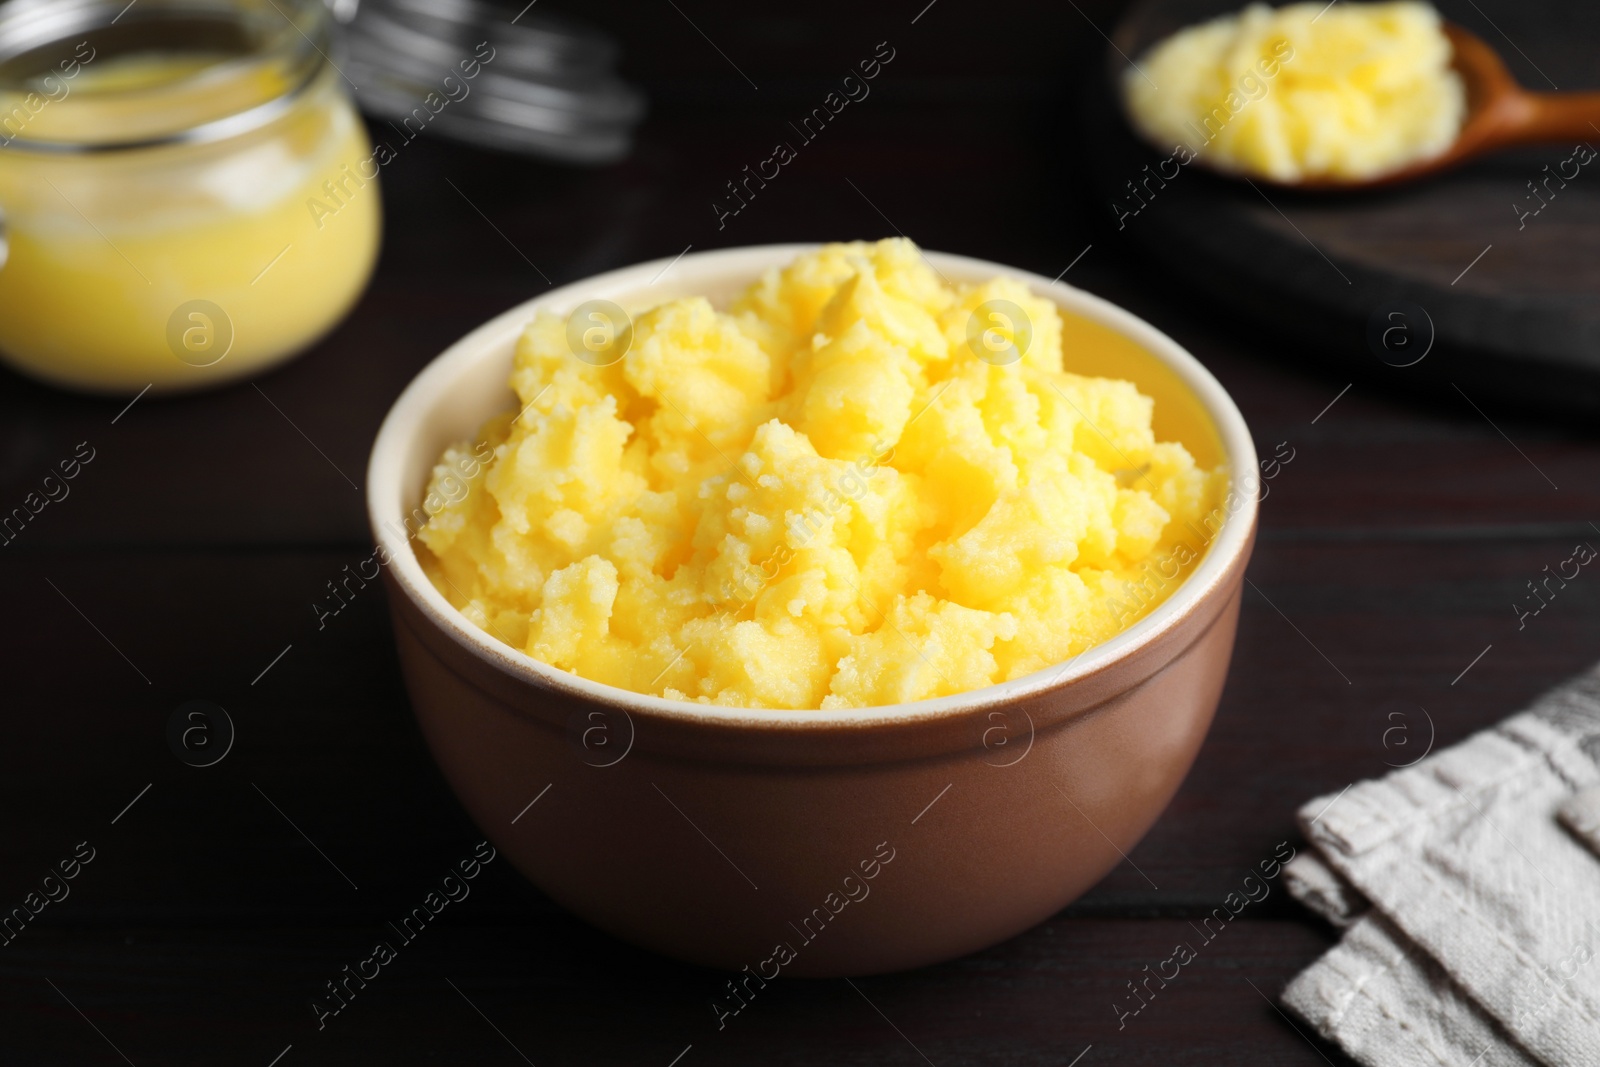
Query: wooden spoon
[1500, 114]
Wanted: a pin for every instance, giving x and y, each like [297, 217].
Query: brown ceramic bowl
[815, 842]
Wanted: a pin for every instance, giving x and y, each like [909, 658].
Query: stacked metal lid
[539, 84]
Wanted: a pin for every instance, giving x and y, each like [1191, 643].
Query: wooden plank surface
[559, 993]
[184, 563]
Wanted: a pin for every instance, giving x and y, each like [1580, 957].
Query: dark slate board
[1513, 304]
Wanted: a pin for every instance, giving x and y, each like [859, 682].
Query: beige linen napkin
[1470, 895]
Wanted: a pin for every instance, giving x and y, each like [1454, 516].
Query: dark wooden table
[185, 561]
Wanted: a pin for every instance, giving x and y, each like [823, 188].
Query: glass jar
[187, 195]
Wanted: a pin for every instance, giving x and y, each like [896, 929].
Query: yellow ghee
[857, 486]
[178, 265]
[1309, 90]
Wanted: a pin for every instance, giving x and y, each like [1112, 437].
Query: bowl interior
[467, 384]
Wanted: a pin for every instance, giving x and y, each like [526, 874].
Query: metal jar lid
[541, 85]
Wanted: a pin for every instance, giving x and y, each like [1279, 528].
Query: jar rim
[266, 54]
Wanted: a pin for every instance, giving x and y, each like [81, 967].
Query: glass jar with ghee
[187, 195]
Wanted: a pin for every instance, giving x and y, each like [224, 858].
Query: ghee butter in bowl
[859, 485]
[863, 563]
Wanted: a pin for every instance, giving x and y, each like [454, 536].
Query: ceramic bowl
[814, 842]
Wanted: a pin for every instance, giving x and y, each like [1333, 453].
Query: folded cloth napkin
[1468, 887]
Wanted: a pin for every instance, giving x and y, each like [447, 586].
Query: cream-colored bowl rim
[705, 270]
